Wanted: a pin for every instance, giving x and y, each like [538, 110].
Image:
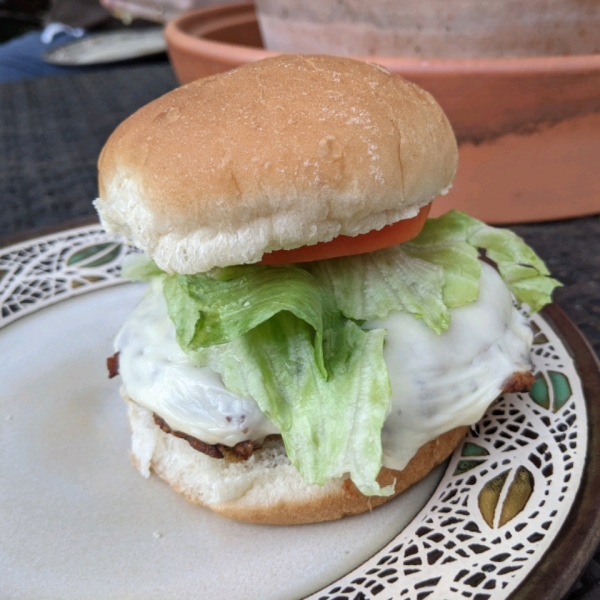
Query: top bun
[280, 153]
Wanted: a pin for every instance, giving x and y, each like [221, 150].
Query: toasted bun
[266, 488]
[281, 153]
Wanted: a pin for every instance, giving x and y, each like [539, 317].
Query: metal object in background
[108, 47]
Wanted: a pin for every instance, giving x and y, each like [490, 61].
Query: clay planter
[528, 128]
[432, 28]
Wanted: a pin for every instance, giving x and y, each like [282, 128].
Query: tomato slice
[345, 245]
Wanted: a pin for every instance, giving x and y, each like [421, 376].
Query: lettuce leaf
[330, 427]
[275, 335]
[370, 286]
[229, 302]
[523, 271]
[140, 267]
[220, 306]
[434, 272]
[444, 242]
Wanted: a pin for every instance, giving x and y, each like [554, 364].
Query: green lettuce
[370, 286]
[523, 271]
[434, 272]
[139, 267]
[332, 426]
[220, 306]
[290, 337]
[275, 335]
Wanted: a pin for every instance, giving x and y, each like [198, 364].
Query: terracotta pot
[431, 28]
[528, 128]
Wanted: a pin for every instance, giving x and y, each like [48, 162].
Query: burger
[310, 344]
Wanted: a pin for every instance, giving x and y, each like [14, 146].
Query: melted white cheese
[157, 374]
[438, 381]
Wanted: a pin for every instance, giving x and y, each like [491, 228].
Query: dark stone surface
[52, 130]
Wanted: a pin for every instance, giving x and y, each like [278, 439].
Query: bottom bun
[266, 488]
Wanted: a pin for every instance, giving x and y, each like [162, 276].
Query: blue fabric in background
[21, 57]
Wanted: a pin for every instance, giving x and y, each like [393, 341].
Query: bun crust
[266, 489]
[281, 153]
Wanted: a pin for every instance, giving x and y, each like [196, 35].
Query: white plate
[108, 47]
[78, 521]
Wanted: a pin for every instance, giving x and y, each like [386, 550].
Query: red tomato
[345, 245]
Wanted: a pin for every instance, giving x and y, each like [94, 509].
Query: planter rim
[177, 36]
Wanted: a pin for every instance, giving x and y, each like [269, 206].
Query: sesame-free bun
[266, 488]
[280, 153]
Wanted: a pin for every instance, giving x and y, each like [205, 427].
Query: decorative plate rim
[580, 533]
[549, 577]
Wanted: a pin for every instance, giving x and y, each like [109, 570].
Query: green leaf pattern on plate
[551, 390]
[96, 255]
[46, 270]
